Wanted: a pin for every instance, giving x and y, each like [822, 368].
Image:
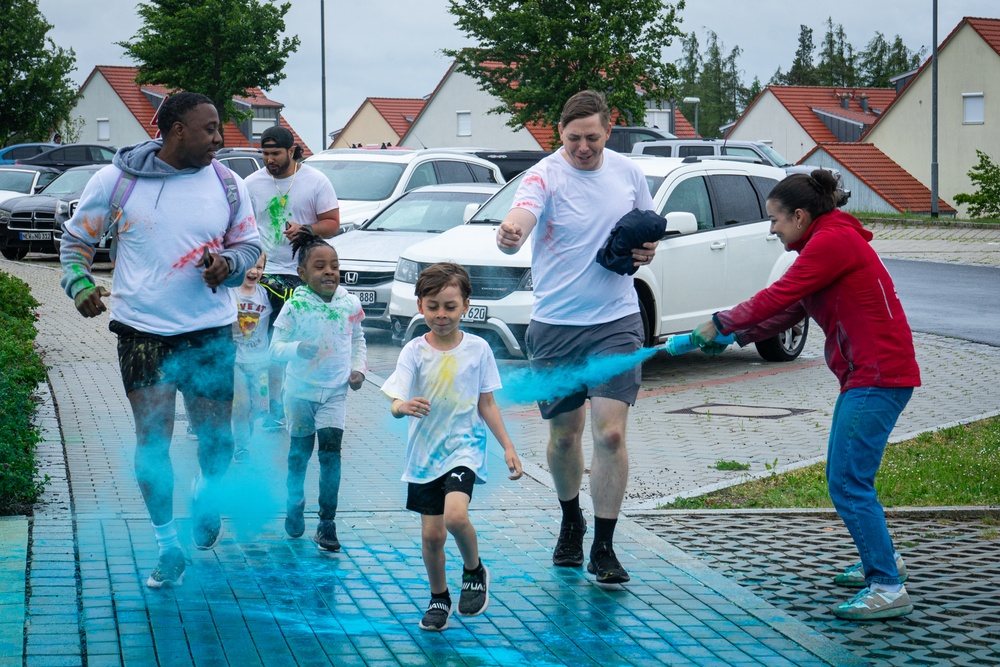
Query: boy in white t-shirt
[444, 380]
[253, 316]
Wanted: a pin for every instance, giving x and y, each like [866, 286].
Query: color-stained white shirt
[453, 433]
[253, 313]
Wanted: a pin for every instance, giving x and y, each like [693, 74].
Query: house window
[464, 123]
[259, 125]
[973, 109]
[103, 129]
[658, 118]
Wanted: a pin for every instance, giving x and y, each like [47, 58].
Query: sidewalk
[262, 599]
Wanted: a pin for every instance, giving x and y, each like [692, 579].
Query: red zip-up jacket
[840, 282]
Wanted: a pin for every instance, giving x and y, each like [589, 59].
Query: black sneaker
[207, 531]
[169, 571]
[295, 520]
[475, 592]
[569, 546]
[326, 536]
[436, 617]
[605, 565]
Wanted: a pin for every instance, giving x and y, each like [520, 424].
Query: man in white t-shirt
[287, 196]
[574, 197]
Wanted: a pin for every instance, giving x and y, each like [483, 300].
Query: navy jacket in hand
[631, 231]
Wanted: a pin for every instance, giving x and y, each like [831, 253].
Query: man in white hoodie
[185, 228]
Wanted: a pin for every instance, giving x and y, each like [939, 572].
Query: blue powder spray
[523, 385]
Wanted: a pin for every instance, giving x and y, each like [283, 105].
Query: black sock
[571, 510]
[475, 569]
[441, 596]
[604, 530]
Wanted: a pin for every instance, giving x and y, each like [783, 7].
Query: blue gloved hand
[713, 348]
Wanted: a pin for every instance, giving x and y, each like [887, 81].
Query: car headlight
[62, 208]
[407, 271]
[4, 217]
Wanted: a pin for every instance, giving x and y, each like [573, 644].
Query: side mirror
[470, 210]
[681, 222]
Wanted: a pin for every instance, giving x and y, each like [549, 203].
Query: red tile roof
[801, 100]
[682, 128]
[886, 178]
[122, 81]
[988, 29]
[398, 112]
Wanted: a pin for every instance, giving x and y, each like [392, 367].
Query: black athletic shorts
[201, 363]
[429, 498]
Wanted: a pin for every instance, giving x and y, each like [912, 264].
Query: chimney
[845, 100]
[863, 100]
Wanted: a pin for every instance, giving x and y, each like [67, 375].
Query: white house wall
[100, 101]
[437, 125]
[770, 121]
[863, 198]
[368, 127]
[966, 65]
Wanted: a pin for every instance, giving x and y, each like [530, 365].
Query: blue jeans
[863, 418]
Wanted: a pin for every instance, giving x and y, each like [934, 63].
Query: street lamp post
[322, 58]
[695, 101]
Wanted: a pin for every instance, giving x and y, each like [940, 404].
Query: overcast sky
[391, 48]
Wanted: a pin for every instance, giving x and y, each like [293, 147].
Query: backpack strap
[123, 188]
[229, 185]
[126, 183]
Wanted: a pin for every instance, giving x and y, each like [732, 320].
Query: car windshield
[775, 156]
[361, 180]
[16, 181]
[69, 182]
[496, 209]
[431, 212]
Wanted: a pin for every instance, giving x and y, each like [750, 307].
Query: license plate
[36, 236]
[475, 314]
[367, 297]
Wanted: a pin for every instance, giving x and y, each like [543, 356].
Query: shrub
[985, 203]
[21, 370]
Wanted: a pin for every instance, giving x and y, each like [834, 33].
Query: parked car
[72, 155]
[16, 181]
[717, 230]
[368, 255]
[755, 151]
[623, 138]
[32, 223]
[243, 161]
[366, 180]
[14, 152]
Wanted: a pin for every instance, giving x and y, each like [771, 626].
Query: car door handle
[771, 237]
[718, 245]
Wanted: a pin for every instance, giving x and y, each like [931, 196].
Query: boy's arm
[490, 413]
[241, 243]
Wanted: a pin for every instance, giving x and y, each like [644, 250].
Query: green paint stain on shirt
[278, 216]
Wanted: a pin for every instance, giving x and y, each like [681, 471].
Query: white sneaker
[869, 605]
[854, 576]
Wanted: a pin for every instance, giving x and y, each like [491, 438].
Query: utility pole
[322, 58]
[934, 116]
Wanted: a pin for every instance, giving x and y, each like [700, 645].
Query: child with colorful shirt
[445, 381]
[318, 333]
[253, 316]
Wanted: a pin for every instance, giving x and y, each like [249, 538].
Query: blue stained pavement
[261, 598]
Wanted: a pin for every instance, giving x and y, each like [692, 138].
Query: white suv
[365, 180]
[717, 252]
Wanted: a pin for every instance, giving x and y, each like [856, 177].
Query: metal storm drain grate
[749, 411]
[790, 561]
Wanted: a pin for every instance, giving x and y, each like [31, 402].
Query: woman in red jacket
[841, 283]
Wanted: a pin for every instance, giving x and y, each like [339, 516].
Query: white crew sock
[166, 536]
[885, 588]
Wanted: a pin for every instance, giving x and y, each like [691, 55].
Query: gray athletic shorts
[551, 345]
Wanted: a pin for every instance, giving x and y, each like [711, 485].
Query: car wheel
[787, 345]
[14, 253]
[647, 330]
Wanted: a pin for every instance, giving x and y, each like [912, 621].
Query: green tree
[38, 93]
[879, 61]
[803, 71]
[719, 87]
[836, 66]
[689, 67]
[219, 48]
[985, 201]
[535, 54]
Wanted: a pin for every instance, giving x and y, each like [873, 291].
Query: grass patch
[730, 465]
[924, 218]
[952, 467]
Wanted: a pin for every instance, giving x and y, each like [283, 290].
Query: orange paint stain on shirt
[534, 178]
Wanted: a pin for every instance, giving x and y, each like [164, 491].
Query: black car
[72, 155]
[27, 179]
[31, 224]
